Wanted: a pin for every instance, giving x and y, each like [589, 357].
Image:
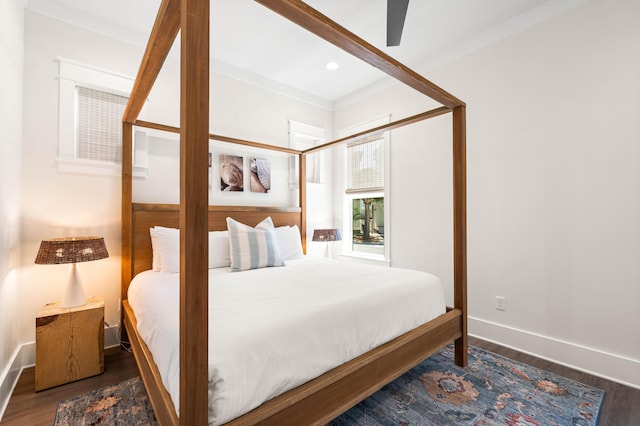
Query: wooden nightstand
[69, 343]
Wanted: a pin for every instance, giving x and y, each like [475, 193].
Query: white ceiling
[253, 43]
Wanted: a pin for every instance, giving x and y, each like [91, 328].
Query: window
[368, 225]
[90, 109]
[365, 169]
[365, 189]
[366, 215]
[304, 136]
[98, 125]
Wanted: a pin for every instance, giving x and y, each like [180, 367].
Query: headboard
[146, 216]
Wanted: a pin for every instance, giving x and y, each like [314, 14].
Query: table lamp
[72, 250]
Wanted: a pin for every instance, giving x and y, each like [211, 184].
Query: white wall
[238, 110]
[553, 188]
[64, 204]
[59, 204]
[11, 65]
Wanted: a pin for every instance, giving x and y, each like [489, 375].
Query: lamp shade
[332, 234]
[71, 250]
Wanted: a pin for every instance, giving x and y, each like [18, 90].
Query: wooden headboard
[146, 216]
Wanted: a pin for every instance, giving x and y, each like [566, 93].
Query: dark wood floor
[27, 407]
[621, 405]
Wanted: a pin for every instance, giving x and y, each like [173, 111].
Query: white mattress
[273, 329]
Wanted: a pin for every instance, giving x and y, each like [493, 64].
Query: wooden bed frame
[322, 399]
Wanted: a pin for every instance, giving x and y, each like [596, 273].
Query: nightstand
[69, 343]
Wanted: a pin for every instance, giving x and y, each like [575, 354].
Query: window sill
[71, 165]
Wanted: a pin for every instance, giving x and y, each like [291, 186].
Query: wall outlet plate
[501, 303]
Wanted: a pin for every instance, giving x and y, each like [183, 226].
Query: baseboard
[609, 366]
[23, 356]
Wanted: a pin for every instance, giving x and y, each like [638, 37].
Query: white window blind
[99, 125]
[365, 165]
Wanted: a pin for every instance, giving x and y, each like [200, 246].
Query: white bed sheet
[276, 328]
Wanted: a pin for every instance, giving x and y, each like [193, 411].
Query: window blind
[99, 125]
[365, 165]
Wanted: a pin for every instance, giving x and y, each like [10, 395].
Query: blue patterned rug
[492, 390]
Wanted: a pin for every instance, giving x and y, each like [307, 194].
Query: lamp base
[74, 293]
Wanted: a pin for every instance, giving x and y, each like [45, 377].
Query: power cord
[123, 343]
[126, 346]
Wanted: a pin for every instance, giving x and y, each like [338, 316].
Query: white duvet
[272, 329]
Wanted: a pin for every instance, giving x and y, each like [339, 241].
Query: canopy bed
[318, 399]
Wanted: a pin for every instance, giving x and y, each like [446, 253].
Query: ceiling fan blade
[396, 13]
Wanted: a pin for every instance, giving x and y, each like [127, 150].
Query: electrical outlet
[501, 303]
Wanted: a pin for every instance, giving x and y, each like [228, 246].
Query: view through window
[368, 225]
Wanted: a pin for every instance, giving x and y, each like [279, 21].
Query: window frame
[347, 198]
[71, 75]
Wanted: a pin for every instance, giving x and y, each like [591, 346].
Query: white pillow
[155, 249]
[290, 242]
[166, 249]
[219, 249]
[252, 248]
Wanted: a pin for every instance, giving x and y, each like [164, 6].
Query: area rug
[492, 390]
[125, 403]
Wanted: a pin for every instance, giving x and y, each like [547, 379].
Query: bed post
[127, 214]
[302, 179]
[164, 32]
[194, 205]
[460, 228]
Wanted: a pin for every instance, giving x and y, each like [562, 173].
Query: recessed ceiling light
[332, 66]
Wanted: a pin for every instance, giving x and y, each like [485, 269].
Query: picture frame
[231, 173]
[259, 175]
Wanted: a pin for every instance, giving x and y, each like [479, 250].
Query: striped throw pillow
[252, 248]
